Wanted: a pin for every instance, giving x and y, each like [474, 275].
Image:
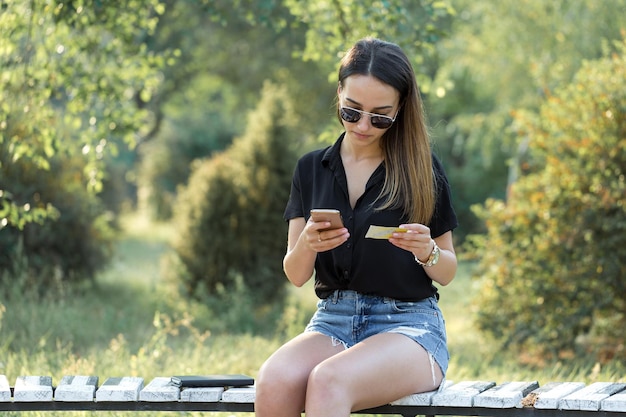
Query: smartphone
[328, 215]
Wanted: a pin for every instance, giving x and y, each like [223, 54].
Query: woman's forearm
[299, 263]
[443, 273]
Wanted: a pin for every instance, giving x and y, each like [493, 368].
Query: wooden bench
[466, 398]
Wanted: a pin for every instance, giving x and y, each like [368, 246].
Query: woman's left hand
[416, 240]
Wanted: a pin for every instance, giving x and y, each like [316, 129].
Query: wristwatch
[433, 258]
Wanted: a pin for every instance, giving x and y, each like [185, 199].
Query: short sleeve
[444, 218]
[294, 204]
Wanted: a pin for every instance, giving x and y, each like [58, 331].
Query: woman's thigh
[301, 354]
[283, 377]
[376, 371]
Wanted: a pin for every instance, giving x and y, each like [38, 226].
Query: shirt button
[349, 245]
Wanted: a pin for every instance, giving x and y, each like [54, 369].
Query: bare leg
[374, 372]
[282, 381]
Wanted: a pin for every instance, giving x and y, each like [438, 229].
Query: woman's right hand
[304, 242]
[321, 239]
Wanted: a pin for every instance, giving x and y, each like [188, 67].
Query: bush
[553, 261]
[75, 81]
[68, 248]
[229, 217]
[166, 161]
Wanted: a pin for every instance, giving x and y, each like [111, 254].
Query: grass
[132, 322]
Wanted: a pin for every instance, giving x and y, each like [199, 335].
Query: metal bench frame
[402, 410]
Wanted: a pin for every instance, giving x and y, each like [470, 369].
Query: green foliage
[45, 255]
[70, 80]
[517, 51]
[503, 55]
[74, 75]
[333, 26]
[553, 261]
[474, 151]
[225, 50]
[185, 136]
[229, 217]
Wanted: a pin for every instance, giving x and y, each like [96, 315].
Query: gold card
[382, 232]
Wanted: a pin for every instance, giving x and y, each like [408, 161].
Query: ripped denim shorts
[349, 317]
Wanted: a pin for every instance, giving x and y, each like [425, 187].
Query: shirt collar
[332, 156]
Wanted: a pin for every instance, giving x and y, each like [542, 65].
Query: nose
[364, 123]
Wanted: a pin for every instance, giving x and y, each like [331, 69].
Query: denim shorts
[348, 318]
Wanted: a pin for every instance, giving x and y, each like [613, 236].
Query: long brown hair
[409, 183]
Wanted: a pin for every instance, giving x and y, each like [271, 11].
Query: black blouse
[369, 266]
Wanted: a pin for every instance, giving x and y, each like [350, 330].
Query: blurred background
[146, 153]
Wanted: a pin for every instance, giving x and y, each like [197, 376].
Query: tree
[229, 216]
[72, 77]
[333, 26]
[227, 49]
[504, 55]
[226, 52]
[553, 262]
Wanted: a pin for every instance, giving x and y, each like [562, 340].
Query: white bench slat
[590, 397]
[160, 389]
[76, 388]
[201, 394]
[240, 395]
[575, 396]
[461, 394]
[120, 389]
[505, 395]
[5, 389]
[424, 398]
[549, 395]
[33, 388]
[615, 402]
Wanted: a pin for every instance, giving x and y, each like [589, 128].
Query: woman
[378, 334]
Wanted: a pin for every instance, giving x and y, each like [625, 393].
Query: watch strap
[433, 258]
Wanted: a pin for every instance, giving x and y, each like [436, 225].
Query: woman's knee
[325, 381]
[279, 386]
[274, 373]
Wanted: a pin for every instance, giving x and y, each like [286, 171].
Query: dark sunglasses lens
[381, 122]
[349, 115]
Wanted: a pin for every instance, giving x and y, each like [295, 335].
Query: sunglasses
[379, 121]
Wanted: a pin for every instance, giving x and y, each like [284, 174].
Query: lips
[360, 135]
